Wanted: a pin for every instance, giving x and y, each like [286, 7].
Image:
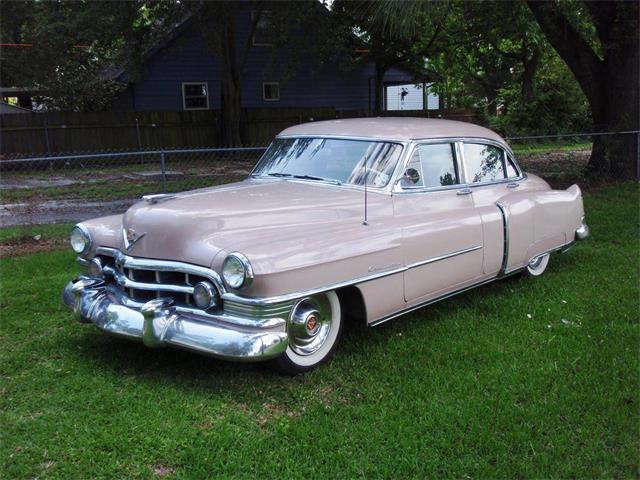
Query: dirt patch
[161, 470]
[560, 169]
[28, 245]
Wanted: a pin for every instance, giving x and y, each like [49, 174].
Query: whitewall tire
[314, 328]
[538, 265]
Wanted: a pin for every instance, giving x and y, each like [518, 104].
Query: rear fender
[539, 222]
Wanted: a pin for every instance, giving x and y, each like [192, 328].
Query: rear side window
[431, 165]
[484, 163]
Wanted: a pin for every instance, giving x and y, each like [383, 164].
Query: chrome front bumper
[157, 324]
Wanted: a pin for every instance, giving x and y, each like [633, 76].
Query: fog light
[205, 295]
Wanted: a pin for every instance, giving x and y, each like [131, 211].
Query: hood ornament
[158, 197]
[131, 238]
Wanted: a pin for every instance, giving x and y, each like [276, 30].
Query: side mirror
[412, 175]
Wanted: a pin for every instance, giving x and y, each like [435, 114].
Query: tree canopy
[532, 67]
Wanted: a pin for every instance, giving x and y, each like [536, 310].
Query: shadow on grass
[191, 372]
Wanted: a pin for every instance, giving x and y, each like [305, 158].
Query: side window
[431, 165]
[484, 163]
[195, 96]
[512, 171]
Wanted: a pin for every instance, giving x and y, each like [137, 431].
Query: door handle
[464, 191]
[513, 185]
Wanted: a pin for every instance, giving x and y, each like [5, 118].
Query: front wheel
[538, 265]
[314, 328]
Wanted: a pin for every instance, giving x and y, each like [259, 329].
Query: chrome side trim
[443, 257]
[505, 228]
[437, 299]
[367, 278]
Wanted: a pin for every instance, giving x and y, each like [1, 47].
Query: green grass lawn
[520, 378]
[529, 147]
[110, 189]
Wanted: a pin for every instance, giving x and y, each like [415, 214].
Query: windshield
[333, 160]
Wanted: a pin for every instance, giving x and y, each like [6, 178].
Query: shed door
[442, 231]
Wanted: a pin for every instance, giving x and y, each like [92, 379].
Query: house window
[270, 91]
[195, 96]
[263, 34]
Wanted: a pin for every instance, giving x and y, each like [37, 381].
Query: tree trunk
[217, 27]
[610, 84]
[381, 70]
[530, 63]
[231, 103]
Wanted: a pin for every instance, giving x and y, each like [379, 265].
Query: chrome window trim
[408, 146]
[349, 137]
[387, 188]
[398, 189]
[377, 190]
[506, 150]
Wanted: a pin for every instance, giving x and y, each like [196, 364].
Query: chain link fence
[69, 187]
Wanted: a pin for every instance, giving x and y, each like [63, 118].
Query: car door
[441, 230]
[494, 179]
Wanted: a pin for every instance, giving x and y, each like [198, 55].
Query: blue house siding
[186, 59]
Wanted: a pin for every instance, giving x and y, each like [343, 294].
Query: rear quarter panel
[540, 220]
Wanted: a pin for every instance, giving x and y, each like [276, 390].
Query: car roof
[393, 128]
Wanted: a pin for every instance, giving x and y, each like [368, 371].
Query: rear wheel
[314, 328]
[538, 265]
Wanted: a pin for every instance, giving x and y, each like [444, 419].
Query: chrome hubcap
[536, 262]
[310, 324]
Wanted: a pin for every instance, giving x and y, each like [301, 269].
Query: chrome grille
[143, 280]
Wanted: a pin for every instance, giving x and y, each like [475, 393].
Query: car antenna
[366, 178]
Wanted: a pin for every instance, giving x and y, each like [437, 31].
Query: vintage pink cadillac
[361, 219]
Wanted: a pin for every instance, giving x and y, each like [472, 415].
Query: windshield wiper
[321, 179]
[279, 174]
[303, 177]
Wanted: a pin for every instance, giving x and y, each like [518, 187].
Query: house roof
[122, 74]
[8, 108]
[393, 128]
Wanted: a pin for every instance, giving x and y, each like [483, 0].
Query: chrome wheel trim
[538, 265]
[307, 348]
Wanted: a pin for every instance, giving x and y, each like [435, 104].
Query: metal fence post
[164, 172]
[48, 145]
[638, 157]
[139, 140]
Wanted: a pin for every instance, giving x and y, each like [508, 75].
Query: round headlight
[80, 239]
[237, 271]
[204, 295]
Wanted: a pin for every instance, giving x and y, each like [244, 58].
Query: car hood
[195, 226]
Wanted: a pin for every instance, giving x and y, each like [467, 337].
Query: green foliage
[558, 106]
[70, 49]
